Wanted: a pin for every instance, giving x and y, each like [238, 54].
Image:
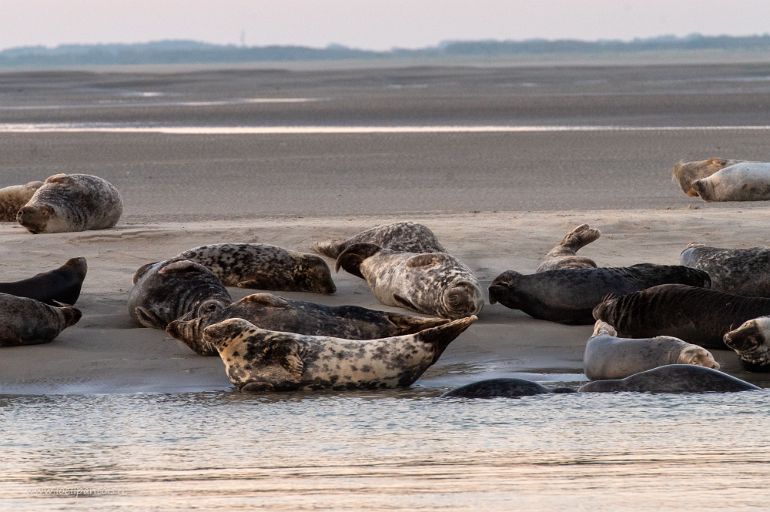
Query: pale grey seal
[746, 181]
[738, 271]
[261, 360]
[685, 173]
[671, 378]
[12, 198]
[56, 287]
[749, 341]
[25, 321]
[565, 255]
[399, 236]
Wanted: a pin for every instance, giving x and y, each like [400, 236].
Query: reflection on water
[395, 451]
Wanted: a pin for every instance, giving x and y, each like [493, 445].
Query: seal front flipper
[266, 299]
[148, 319]
[405, 302]
[351, 258]
[424, 260]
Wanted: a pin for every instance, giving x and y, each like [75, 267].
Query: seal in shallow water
[746, 181]
[568, 296]
[166, 290]
[608, 357]
[72, 202]
[749, 341]
[738, 271]
[565, 255]
[261, 360]
[399, 237]
[436, 283]
[25, 321]
[56, 287]
[14, 197]
[672, 378]
[501, 388]
[685, 173]
[278, 314]
[263, 266]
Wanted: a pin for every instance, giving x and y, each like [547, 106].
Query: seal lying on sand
[608, 357]
[502, 388]
[696, 315]
[14, 197]
[672, 378]
[166, 290]
[749, 341]
[278, 314]
[432, 283]
[263, 266]
[400, 237]
[738, 271]
[56, 287]
[25, 321]
[747, 181]
[565, 255]
[261, 360]
[72, 202]
[568, 296]
[685, 173]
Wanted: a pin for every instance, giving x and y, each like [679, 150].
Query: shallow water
[389, 451]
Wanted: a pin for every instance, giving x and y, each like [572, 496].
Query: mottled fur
[278, 314]
[738, 271]
[60, 286]
[747, 181]
[263, 266]
[750, 342]
[14, 197]
[25, 321]
[568, 296]
[565, 255]
[672, 378]
[432, 283]
[400, 236]
[685, 173]
[261, 360]
[72, 202]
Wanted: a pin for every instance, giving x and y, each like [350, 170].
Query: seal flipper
[148, 319]
[329, 248]
[265, 299]
[351, 258]
[424, 260]
[405, 302]
[580, 236]
[440, 337]
[408, 324]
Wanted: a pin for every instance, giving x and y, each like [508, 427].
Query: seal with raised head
[56, 287]
[434, 283]
[568, 296]
[263, 266]
[693, 314]
[399, 237]
[750, 342]
[608, 357]
[685, 173]
[12, 198]
[279, 314]
[672, 378]
[261, 360]
[166, 290]
[502, 388]
[738, 271]
[746, 181]
[25, 321]
[72, 202]
[565, 255]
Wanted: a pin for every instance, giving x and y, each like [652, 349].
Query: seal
[746, 181]
[14, 197]
[672, 378]
[25, 321]
[568, 296]
[263, 266]
[261, 360]
[56, 287]
[737, 271]
[436, 284]
[749, 341]
[685, 173]
[502, 388]
[400, 237]
[565, 255]
[696, 315]
[279, 314]
[72, 202]
[608, 357]
[166, 290]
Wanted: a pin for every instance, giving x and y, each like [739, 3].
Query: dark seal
[400, 237]
[56, 287]
[501, 388]
[25, 321]
[672, 378]
[738, 271]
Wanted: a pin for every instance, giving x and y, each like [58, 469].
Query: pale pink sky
[372, 24]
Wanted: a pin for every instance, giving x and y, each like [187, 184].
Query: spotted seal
[12, 198]
[671, 378]
[502, 388]
[261, 360]
[738, 271]
[568, 296]
[565, 255]
[696, 315]
[166, 290]
[608, 357]
[436, 283]
[279, 314]
[745, 181]
[750, 342]
[72, 202]
[263, 266]
[56, 287]
[399, 236]
[25, 321]
[685, 173]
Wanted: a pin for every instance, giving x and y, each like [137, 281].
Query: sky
[368, 24]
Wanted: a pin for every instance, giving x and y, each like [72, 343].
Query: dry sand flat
[105, 352]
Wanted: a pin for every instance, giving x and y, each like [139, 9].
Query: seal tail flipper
[351, 258]
[328, 248]
[408, 324]
[440, 337]
[580, 236]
